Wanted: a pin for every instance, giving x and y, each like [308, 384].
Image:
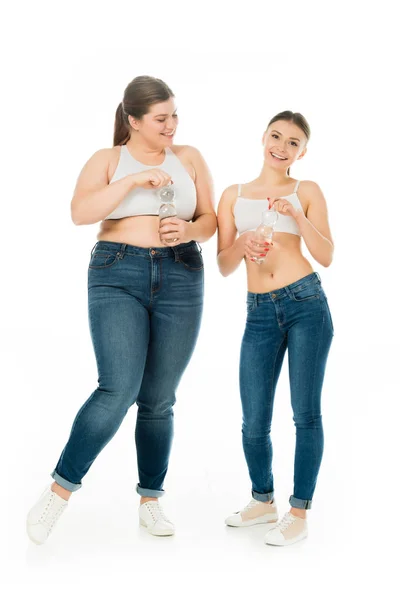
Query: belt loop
[176, 253]
[91, 253]
[318, 277]
[199, 247]
[123, 250]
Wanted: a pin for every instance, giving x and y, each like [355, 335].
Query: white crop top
[141, 201]
[248, 212]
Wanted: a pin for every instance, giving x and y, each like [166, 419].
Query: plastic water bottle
[265, 231]
[167, 206]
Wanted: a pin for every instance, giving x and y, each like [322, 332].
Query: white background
[231, 68]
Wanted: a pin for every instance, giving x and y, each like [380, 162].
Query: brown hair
[141, 93]
[296, 119]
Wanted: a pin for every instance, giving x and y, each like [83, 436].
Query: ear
[303, 153]
[133, 123]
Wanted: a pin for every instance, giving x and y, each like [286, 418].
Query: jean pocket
[192, 260]
[103, 259]
[251, 304]
[308, 292]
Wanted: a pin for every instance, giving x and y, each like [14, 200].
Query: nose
[282, 147]
[170, 123]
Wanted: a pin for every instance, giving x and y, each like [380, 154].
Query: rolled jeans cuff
[67, 485]
[149, 493]
[298, 503]
[263, 497]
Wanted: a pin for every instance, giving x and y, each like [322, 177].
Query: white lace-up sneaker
[43, 516]
[254, 513]
[290, 529]
[151, 515]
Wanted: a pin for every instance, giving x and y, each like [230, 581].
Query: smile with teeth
[277, 156]
[168, 134]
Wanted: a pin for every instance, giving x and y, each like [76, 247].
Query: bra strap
[296, 186]
[239, 189]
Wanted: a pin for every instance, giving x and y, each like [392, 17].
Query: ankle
[144, 499]
[60, 491]
[299, 512]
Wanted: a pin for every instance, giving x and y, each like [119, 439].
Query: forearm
[230, 258]
[203, 228]
[94, 207]
[321, 249]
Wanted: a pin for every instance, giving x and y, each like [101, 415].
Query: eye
[295, 144]
[274, 135]
[161, 120]
[175, 116]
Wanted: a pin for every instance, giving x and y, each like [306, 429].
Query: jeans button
[153, 252]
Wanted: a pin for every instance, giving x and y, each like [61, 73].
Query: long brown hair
[139, 95]
[296, 119]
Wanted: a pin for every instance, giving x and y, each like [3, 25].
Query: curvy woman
[145, 287]
[287, 310]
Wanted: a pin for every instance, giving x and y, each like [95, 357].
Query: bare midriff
[137, 231]
[282, 266]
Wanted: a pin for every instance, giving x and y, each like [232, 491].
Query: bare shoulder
[309, 188]
[106, 153]
[189, 154]
[228, 197]
[184, 149]
[100, 166]
[311, 193]
[107, 160]
[231, 191]
[104, 157]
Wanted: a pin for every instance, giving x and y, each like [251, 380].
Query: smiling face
[284, 143]
[158, 126]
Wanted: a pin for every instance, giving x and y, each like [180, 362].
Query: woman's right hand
[251, 247]
[152, 179]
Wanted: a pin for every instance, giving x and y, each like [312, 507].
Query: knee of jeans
[118, 395]
[252, 431]
[156, 405]
[308, 420]
[104, 409]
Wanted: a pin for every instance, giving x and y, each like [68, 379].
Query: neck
[272, 177]
[139, 147]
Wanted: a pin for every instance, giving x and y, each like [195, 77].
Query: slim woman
[145, 286]
[287, 309]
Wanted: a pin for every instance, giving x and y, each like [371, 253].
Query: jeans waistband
[153, 252]
[311, 279]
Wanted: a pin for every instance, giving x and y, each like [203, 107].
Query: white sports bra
[146, 202]
[247, 213]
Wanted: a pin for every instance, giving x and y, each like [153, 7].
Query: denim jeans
[296, 318]
[145, 307]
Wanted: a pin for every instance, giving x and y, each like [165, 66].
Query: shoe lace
[157, 512]
[286, 521]
[250, 505]
[51, 513]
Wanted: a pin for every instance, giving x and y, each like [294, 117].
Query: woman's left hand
[284, 207]
[174, 231]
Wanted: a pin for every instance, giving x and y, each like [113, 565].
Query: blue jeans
[145, 307]
[296, 318]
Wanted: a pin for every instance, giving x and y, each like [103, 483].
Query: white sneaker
[289, 530]
[151, 515]
[43, 516]
[254, 513]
